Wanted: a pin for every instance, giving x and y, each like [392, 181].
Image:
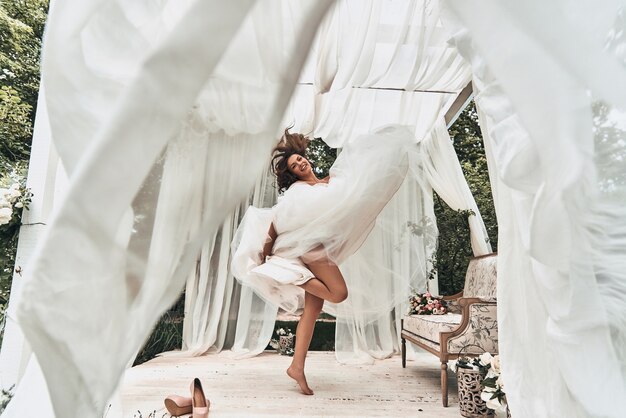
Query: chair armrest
[478, 327]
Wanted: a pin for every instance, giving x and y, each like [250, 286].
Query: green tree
[21, 29]
[322, 157]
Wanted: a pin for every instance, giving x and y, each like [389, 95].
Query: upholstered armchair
[471, 331]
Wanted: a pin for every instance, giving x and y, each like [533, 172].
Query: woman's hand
[269, 243]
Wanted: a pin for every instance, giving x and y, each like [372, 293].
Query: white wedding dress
[321, 221]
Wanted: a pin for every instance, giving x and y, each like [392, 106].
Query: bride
[290, 254]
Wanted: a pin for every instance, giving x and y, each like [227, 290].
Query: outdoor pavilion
[112, 100]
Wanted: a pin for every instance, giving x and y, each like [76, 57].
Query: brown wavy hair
[290, 144]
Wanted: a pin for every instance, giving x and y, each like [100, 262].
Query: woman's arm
[269, 243]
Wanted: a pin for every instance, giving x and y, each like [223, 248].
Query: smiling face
[299, 166]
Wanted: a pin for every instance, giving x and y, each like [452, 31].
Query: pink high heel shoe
[180, 405]
[199, 403]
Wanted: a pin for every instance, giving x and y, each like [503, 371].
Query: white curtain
[365, 55]
[403, 240]
[443, 171]
[397, 44]
[386, 46]
[124, 80]
[551, 78]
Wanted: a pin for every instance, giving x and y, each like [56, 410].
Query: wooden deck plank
[258, 387]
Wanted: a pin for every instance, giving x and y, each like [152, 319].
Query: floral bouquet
[493, 392]
[426, 304]
[493, 389]
[14, 196]
[284, 342]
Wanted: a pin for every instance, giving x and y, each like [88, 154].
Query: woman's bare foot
[298, 376]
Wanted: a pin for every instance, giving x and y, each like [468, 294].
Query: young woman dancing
[290, 254]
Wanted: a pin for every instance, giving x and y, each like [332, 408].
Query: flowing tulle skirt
[324, 221]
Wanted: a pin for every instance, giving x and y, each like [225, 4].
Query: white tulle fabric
[542, 71]
[324, 221]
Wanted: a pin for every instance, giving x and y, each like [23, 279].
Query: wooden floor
[259, 387]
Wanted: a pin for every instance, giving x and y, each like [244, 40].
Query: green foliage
[454, 248]
[322, 157]
[21, 30]
[167, 334]
[15, 126]
[5, 398]
[610, 149]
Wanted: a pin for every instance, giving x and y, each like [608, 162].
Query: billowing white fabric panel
[542, 71]
[216, 306]
[112, 260]
[443, 171]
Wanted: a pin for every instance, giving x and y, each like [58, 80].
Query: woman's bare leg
[312, 308]
[328, 283]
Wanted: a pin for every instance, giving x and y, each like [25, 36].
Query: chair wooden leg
[444, 383]
[403, 353]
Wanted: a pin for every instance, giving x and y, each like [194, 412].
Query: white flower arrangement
[493, 388]
[13, 198]
[282, 331]
[284, 343]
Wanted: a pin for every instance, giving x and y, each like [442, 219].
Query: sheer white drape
[403, 241]
[397, 44]
[110, 254]
[366, 45]
[219, 313]
[544, 71]
[377, 63]
[443, 171]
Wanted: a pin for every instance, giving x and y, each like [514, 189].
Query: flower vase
[285, 342]
[470, 388]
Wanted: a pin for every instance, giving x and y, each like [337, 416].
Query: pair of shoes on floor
[198, 405]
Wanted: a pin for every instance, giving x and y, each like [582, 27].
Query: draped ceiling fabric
[550, 80]
[368, 67]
